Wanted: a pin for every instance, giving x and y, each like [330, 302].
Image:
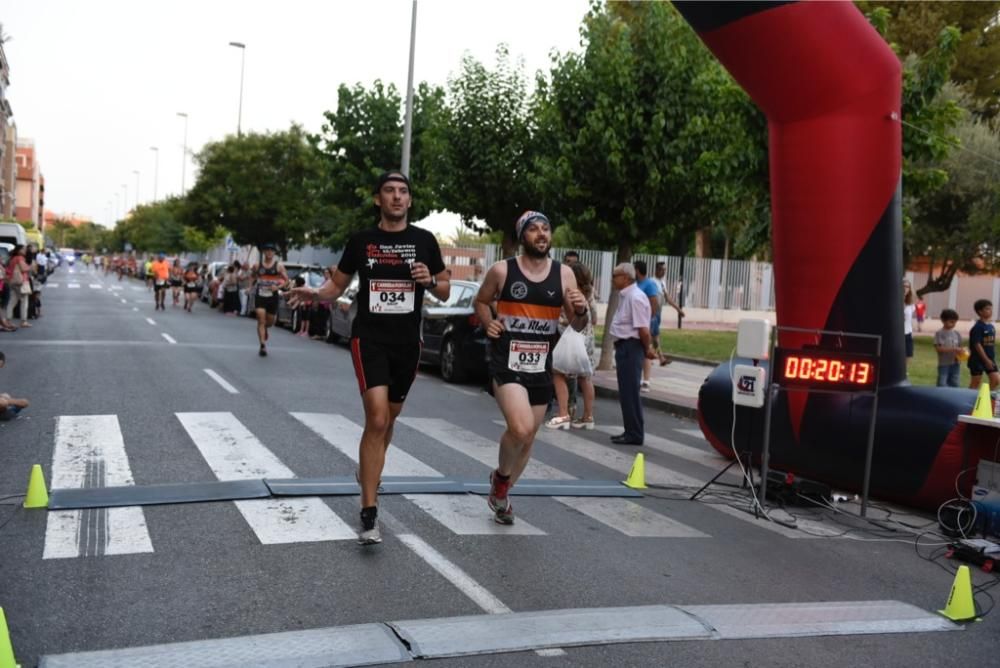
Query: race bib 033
[527, 356]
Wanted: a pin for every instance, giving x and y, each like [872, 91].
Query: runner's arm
[488, 292]
[574, 303]
[332, 289]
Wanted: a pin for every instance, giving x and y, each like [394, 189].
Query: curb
[648, 401]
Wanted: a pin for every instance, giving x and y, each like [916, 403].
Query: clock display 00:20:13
[828, 370]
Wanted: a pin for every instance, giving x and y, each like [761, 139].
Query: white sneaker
[580, 423]
[644, 386]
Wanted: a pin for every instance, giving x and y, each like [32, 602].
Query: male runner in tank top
[269, 278]
[529, 291]
[395, 263]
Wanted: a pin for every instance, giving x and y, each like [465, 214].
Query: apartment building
[8, 134]
[29, 203]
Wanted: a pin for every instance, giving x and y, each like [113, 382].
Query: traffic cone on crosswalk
[637, 476]
[37, 496]
[984, 405]
[961, 607]
[6, 651]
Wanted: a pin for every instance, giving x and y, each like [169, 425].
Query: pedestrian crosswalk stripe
[52, 285]
[95, 286]
[90, 452]
[620, 514]
[463, 515]
[711, 459]
[234, 453]
[72, 285]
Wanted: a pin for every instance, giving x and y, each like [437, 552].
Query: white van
[12, 233]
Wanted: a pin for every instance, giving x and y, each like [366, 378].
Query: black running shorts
[393, 365]
[269, 304]
[160, 285]
[538, 395]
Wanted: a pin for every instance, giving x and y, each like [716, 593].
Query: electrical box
[748, 385]
[753, 339]
[986, 497]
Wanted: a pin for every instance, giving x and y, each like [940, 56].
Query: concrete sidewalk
[673, 388]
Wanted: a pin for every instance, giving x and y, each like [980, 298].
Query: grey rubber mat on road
[235, 490]
[150, 495]
[349, 486]
[361, 645]
[560, 488]
[367, 644]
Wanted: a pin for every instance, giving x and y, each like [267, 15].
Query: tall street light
[184, 149]
[404, 165]
[156, 169]
[137, 191]
[243, 57]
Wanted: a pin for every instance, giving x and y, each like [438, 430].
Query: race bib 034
[391, 296]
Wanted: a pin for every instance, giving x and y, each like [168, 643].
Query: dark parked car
[454, 339]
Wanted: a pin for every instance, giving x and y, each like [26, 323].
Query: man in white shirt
[633, 344]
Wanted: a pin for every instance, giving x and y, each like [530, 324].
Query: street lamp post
[184, 149]
[124, 199]
[243, 56]
[408, 122]
[117, 200]
[156, 168]
[137, 191]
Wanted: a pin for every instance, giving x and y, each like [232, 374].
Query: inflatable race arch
[831, 90]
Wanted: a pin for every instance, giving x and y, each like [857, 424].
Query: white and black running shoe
[369, 534]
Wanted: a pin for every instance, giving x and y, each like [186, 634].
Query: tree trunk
[703, 242]
[607, 345]
[508, 246]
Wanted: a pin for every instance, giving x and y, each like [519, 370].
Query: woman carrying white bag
[573, 356]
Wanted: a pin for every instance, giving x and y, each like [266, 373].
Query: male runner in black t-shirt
[395, 263]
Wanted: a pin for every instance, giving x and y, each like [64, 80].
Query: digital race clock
[825, 369]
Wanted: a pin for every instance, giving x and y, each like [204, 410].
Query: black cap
[391, 175]
[268, 246]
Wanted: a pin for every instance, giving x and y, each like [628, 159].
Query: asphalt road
[102, 365]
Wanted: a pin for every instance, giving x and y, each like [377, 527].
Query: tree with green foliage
[359, 141]
[261, 187]
[153, 227]
[484, 171]
[644, 136]
[957, 227]
[915, 28]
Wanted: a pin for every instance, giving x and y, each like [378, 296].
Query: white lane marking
[52, 285]
[234, 453]
[151, 321]
[711, 459]
[619, 514]
[455, 575]
[72, 285]
[169, 338]
[124, 301]
[463, 515]
[696, 433]
[221, 381]
[90, 449]
[95, 286]
[135, 308]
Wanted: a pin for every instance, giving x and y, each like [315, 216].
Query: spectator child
[948, 343]
[982, 340]
[920, 309]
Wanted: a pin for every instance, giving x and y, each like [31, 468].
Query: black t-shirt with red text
[389, 301]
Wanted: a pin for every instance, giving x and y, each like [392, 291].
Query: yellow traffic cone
[637, 476]
[961, 607]
[6, 651]
[984, 406]
[37, 496]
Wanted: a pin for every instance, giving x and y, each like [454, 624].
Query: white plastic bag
[570, 354]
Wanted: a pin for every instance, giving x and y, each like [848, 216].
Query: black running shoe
[263, 351]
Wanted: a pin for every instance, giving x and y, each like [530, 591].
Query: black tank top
[268, 279]
[529, 311]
